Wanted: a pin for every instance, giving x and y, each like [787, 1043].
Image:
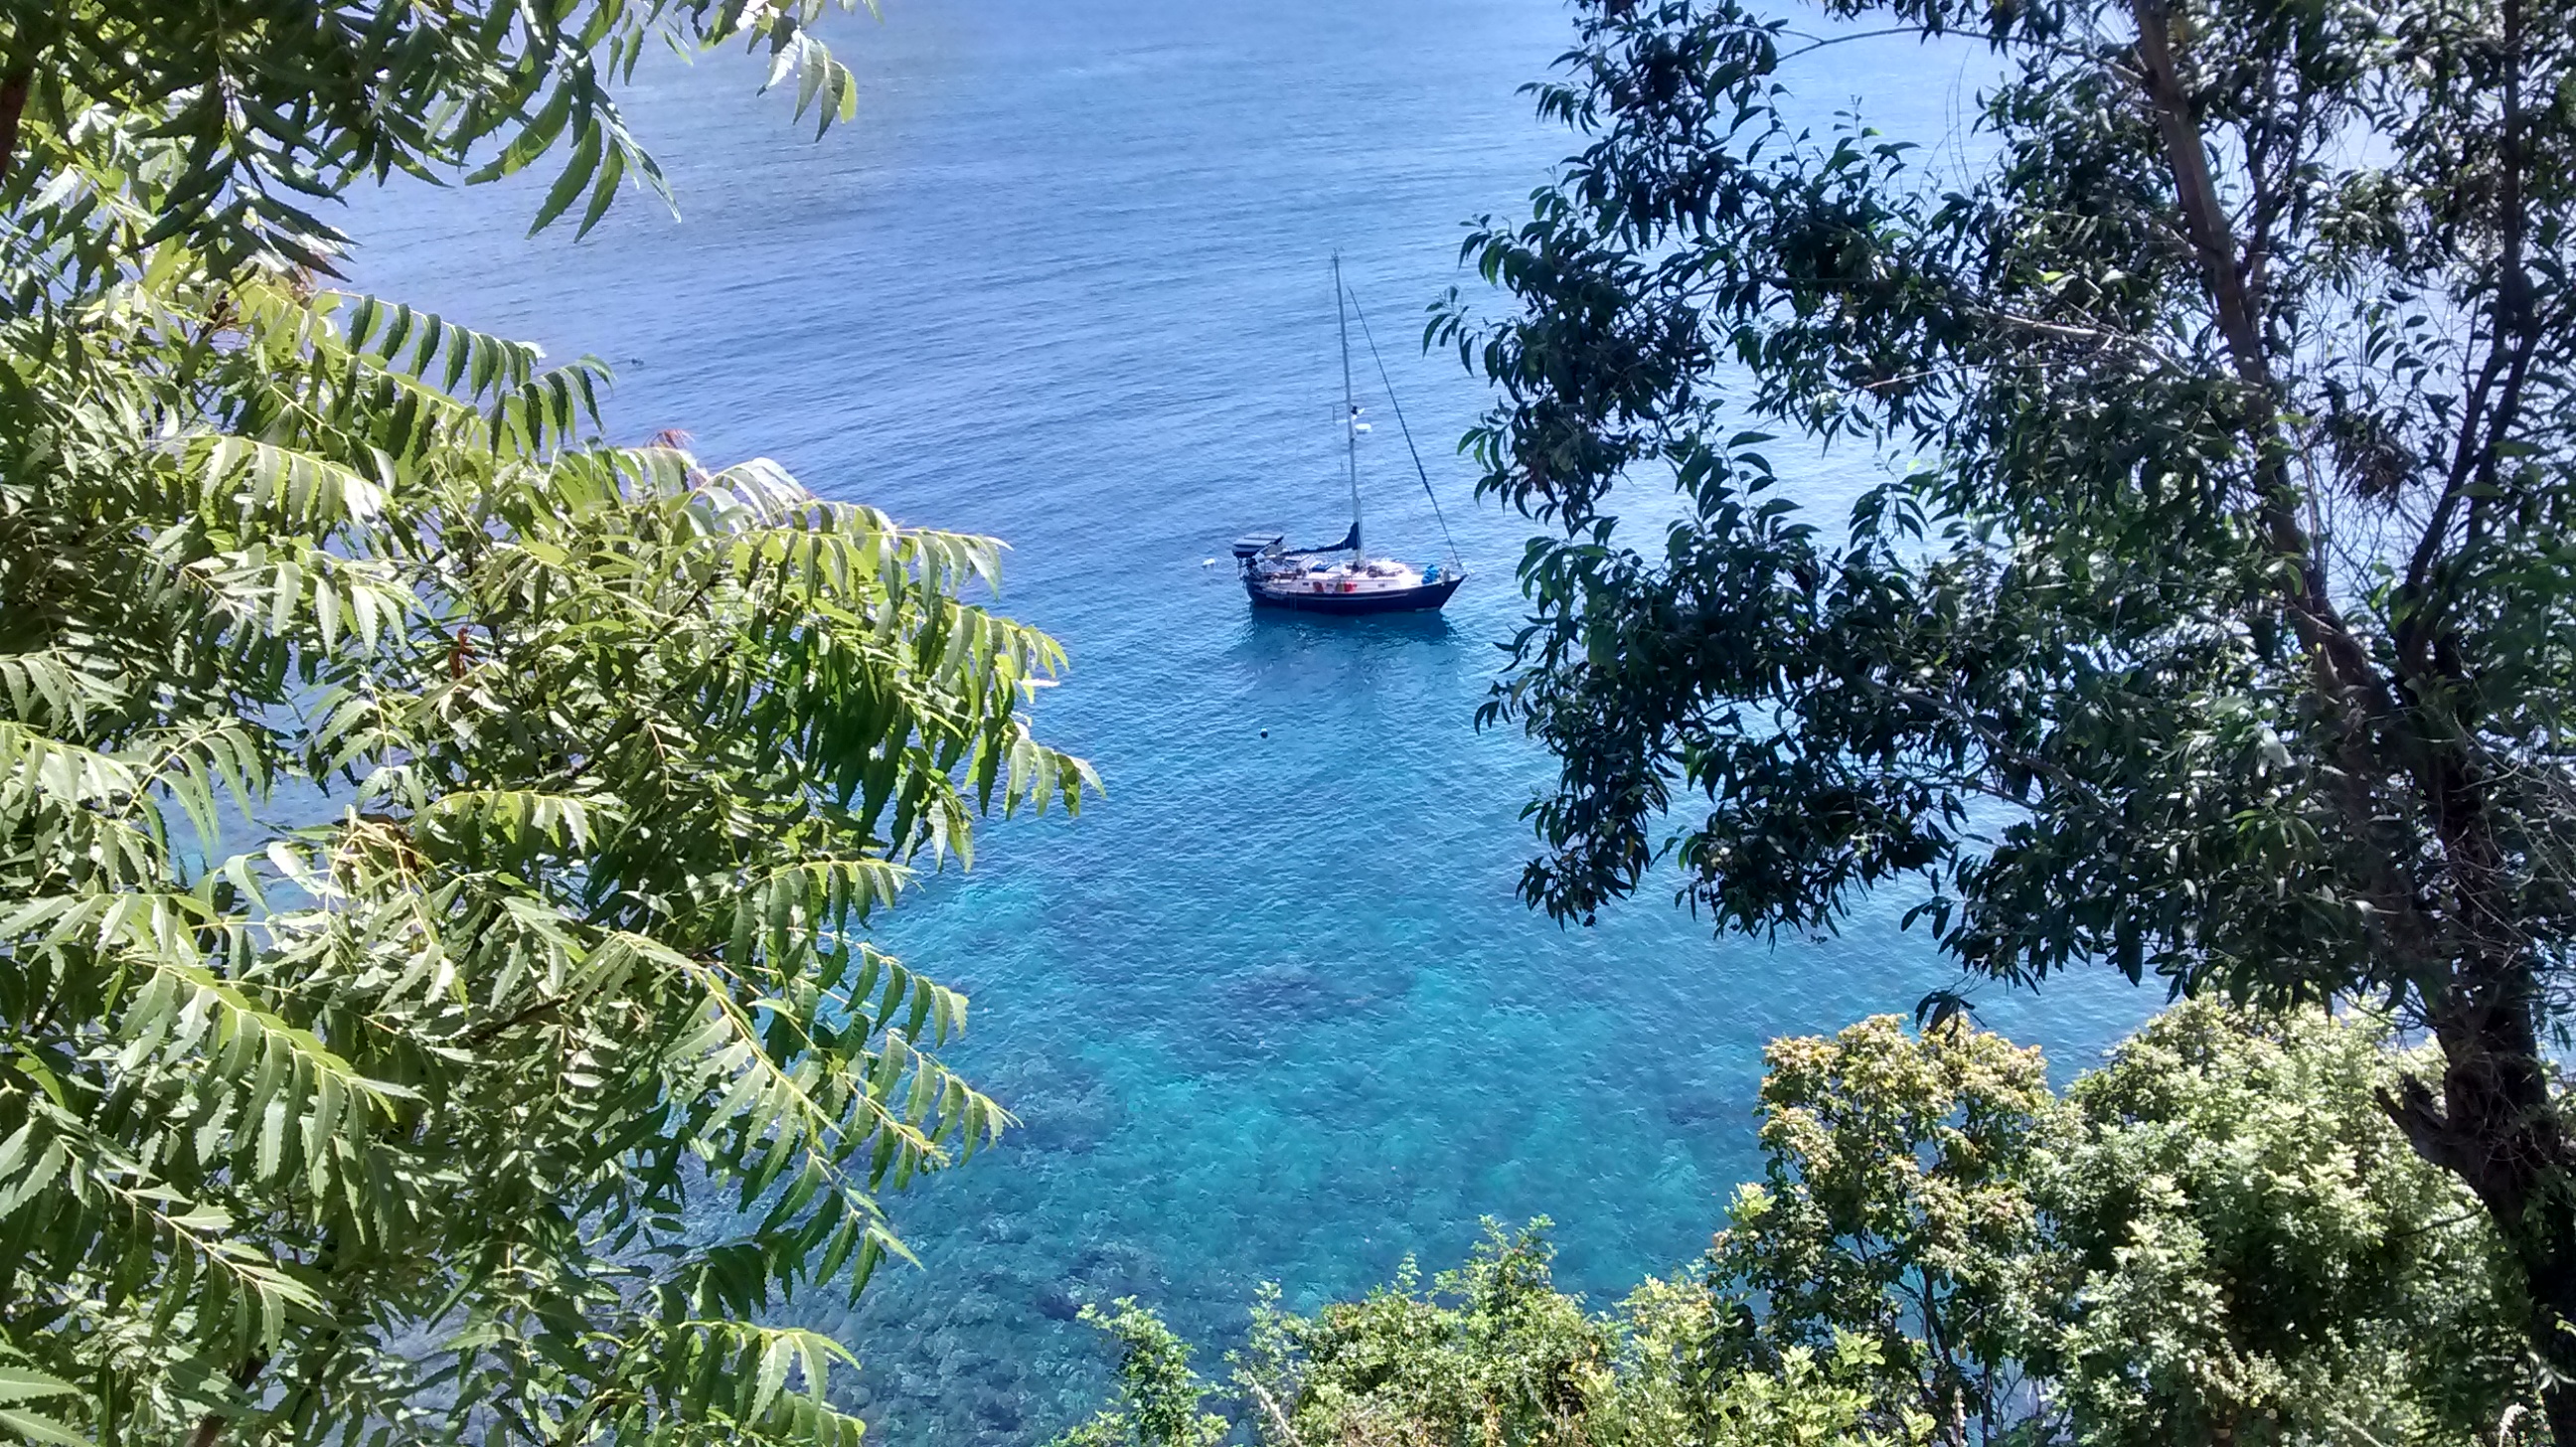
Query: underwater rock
[1695, 1103]
[1002, 1412]
[1063, 1104]
[1252, 1014]
[1108, 1270]
[1305, 992]
[973, 1308]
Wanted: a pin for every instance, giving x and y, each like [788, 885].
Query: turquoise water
[1269, 1009]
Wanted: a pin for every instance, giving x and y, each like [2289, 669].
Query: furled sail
[1348, 544]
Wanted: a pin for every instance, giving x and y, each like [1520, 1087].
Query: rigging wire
[1418, 469]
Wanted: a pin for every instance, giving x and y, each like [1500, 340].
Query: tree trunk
[13, 105]
[2496, 1127]
[2551, 1271]
[18, 68]
[2495, 1124]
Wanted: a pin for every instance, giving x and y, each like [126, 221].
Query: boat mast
[1350, 408]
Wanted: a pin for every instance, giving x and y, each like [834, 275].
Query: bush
[2207, 1240]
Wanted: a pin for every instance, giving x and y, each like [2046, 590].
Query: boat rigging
[1341, 577]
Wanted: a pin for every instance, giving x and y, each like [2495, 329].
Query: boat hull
[1421, 599]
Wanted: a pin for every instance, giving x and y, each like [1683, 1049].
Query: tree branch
[2204, 217]
[1270, 1406]
[13, 104]
[2513, 336]
[210, 1427]
[2346, 675]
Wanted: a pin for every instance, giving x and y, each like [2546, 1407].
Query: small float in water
[1341, 577]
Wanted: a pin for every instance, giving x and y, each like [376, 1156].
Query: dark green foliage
[436, 846]
[277, 106]
[2206, 1241]
[2222, 628]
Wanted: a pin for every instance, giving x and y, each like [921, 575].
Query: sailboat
[1342, 577]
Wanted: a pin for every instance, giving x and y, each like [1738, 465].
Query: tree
[2221, 626]
[263, 110]
[1900, 1206]
[2254, 1256]
[435, 846]
[2204, 1242]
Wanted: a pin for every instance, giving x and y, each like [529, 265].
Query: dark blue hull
[1423, 599]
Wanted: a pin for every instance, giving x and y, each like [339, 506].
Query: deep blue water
[1269, 1009]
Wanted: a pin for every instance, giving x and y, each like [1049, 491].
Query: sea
[1269, 1008]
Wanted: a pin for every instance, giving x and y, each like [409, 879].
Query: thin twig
[1270, 1405]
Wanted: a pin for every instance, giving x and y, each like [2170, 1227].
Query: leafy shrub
[2205, 1241]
